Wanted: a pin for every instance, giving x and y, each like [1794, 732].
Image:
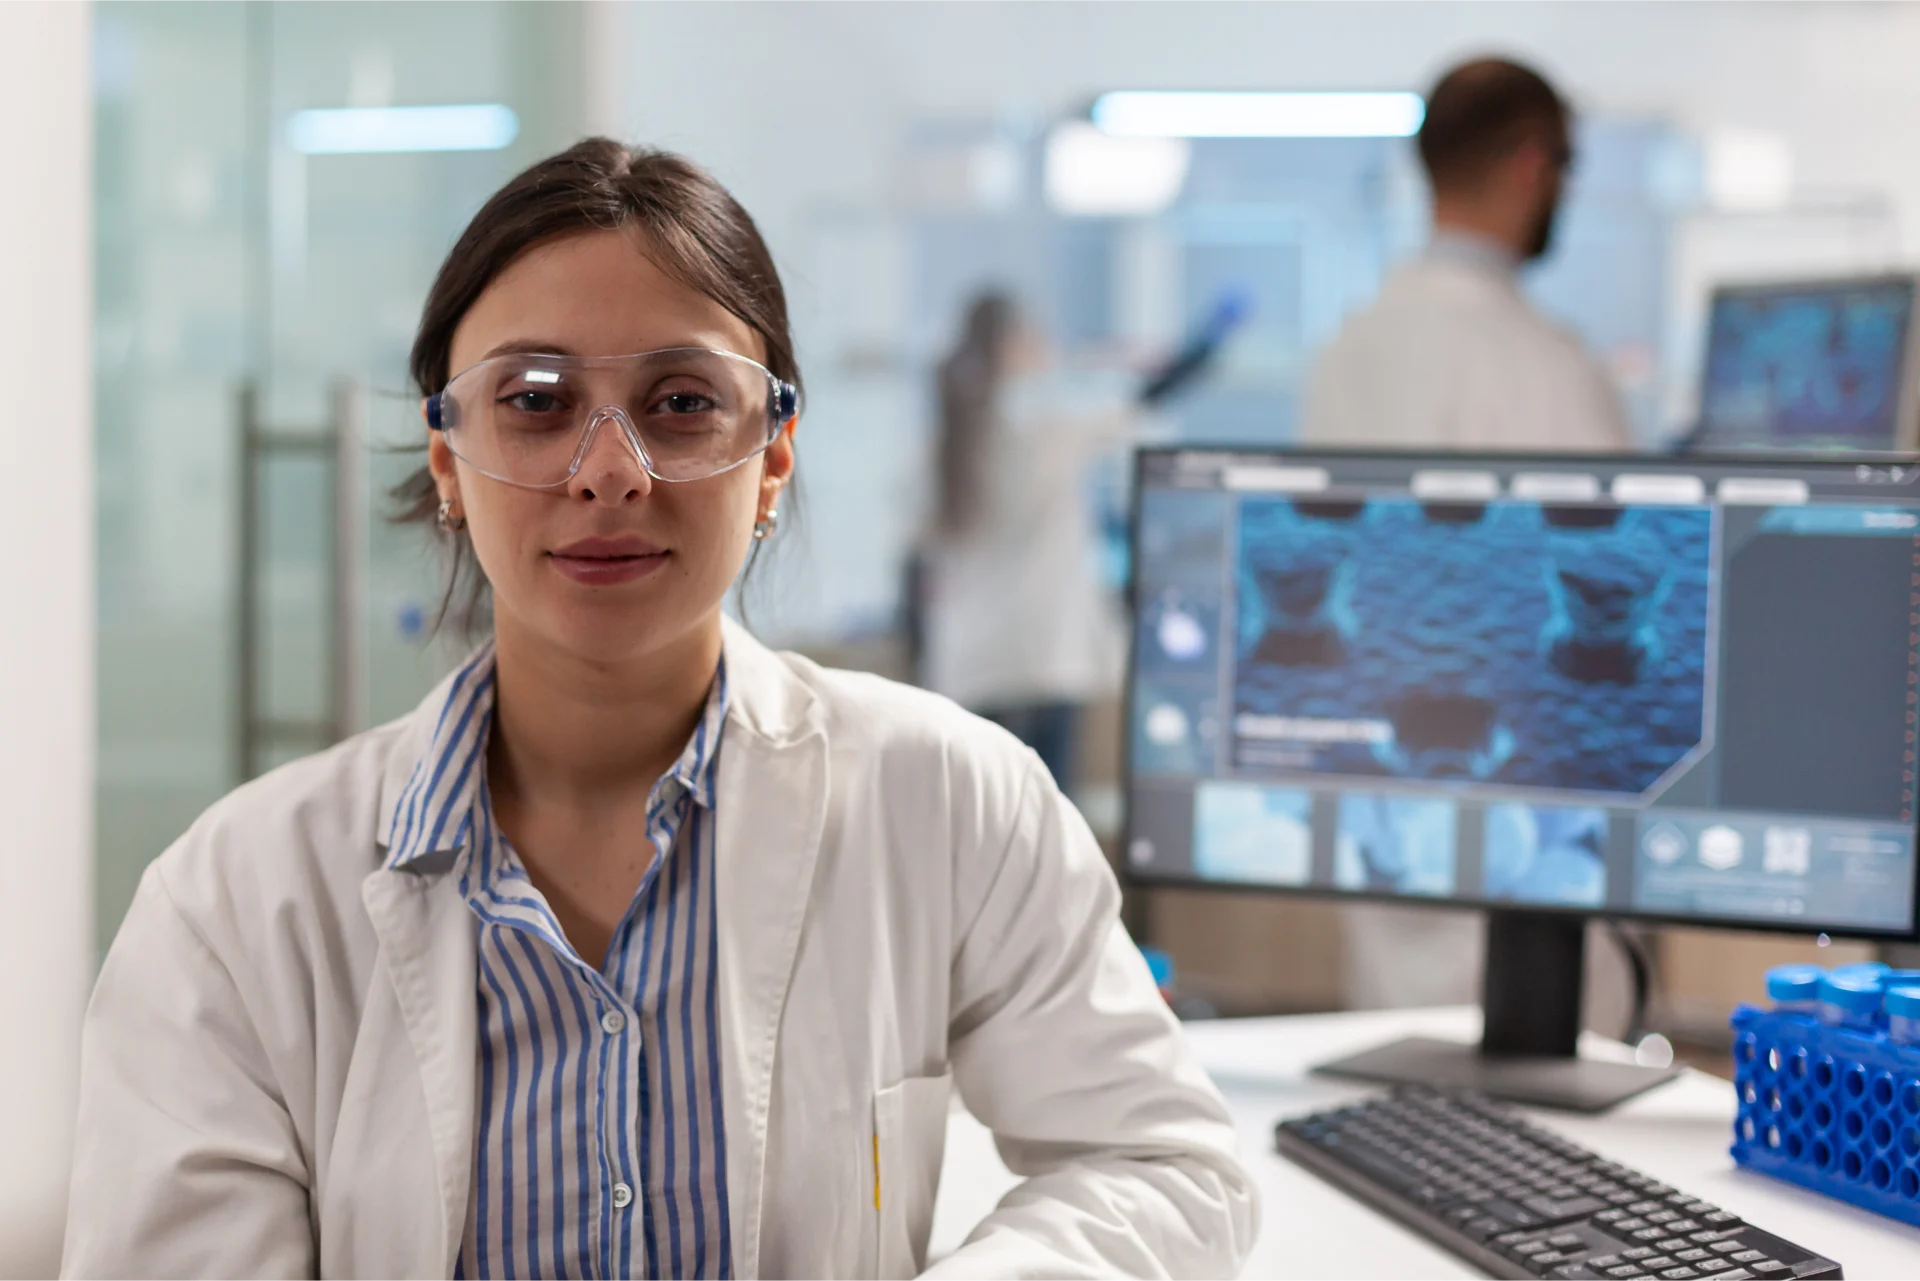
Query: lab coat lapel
[427, 943]
[772, 809]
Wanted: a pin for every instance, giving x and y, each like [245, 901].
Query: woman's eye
[685, 402]
[532, 402]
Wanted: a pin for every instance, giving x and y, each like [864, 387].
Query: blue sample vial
[1862, 967]
[1795, 988]
[1850, 1000]
[1903, 1013]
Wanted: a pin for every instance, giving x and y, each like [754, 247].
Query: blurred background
[255, 217]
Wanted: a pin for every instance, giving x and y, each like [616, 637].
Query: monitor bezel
[1135, 878]
[1906, 423]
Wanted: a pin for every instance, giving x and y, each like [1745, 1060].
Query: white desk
[1677, 1133]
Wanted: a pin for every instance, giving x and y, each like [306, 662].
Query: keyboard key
[1662, 1216]
[1710, 1236]
[1600, 1263]
[1630, 1225]
[1672, 1245]
[1752, 1257]
[1738, 1274]
[1679, 1274]
[1714, 1265]
[1657, 1262]
[1638, 1252]
[1566, 1240]
[1771, 1268]
[1482, 1228]
[1609, 1216]
[1691, 1256]
[1627, 1270]
[1685, 1225]
[1721, 1216]
[1649, 1234]
[1550, 1207]
[1643, 1207]
[1724, 1247]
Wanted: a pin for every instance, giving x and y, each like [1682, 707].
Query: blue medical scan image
[1554, 855]
[1560, 647]
[1395, 845]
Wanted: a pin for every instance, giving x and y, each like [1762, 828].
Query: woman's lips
[602, 562]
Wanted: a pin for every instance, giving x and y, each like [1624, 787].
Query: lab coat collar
[762, 694]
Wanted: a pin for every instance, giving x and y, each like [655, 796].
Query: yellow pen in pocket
[876, 1169]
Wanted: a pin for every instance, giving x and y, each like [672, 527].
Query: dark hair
[695, 232]
[1480, 113]
[969, 389]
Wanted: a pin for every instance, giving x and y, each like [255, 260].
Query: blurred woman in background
[1015, 622]
[1018, 626]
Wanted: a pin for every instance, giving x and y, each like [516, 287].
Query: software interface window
[1678, 691]
[1797, 366]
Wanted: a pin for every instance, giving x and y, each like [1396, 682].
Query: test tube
[1850, 1000]
[1795, 988]
[1903, 1015]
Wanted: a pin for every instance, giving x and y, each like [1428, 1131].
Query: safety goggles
[686, 412]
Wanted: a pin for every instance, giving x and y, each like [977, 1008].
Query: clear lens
[687, 412]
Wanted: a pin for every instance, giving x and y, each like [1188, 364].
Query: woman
[1016, 622]
[1018, 626]
[637, 949]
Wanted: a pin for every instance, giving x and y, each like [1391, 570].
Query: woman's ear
[440, 462]
[778, 468]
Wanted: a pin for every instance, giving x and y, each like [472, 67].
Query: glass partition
[227, 256]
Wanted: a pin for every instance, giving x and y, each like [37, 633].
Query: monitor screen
[1641, 689]
[1808, 366]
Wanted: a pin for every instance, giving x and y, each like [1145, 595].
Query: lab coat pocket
[909, 1142]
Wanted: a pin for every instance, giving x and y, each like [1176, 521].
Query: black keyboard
[1518, 1201]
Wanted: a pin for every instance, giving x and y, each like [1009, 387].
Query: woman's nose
[612, 469]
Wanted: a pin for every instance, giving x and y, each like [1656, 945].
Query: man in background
[1451, 355]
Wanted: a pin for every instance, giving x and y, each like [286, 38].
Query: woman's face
[614, 565]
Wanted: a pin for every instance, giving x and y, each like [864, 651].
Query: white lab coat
[1450, 356]
[279, 1060]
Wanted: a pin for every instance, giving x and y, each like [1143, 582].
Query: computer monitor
[1824, 364]
[1552, 686]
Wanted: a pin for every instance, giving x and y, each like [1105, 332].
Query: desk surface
[1678, 1134]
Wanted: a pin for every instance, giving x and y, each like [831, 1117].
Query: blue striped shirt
[600, 1149]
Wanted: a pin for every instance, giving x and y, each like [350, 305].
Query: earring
[763, 530]
[448, 521]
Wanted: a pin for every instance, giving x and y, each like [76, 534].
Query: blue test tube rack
[1829, 1108]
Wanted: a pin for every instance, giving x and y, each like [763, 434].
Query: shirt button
[611, 1022]
[622, 1196]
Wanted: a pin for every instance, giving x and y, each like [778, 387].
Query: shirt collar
[435, 808]
[1471, 249]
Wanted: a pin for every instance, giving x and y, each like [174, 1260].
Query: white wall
[801, 108]
[46, 584]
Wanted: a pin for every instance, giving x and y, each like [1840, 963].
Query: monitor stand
[1531, 998]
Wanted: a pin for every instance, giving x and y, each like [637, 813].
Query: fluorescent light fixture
[1154, 114]
[1092, 173]
[486, 126]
